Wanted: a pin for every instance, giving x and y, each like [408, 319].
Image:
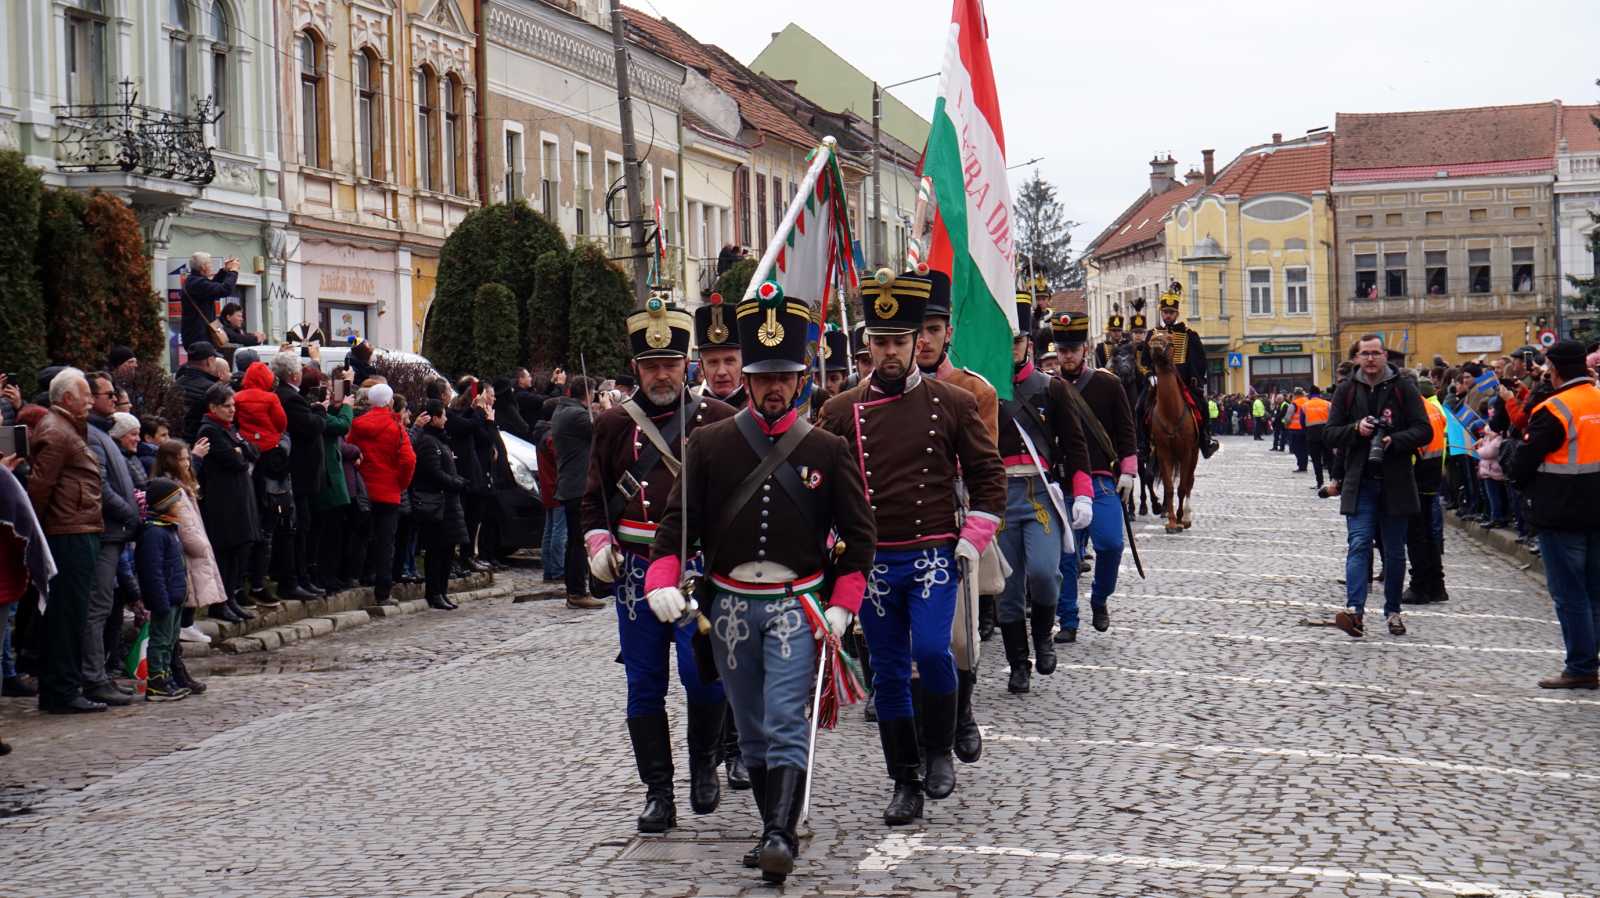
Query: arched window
[455, 137]
[178, 52]
[427, 129]
[221, 87]
[313, 109]
[85, 55]
[369, 112]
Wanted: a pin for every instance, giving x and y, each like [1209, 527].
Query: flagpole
[770, 257]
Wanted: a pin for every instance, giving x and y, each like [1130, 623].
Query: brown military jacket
[1068, 454]
[770, 527]
[909, 448]
[981, 390]
[1103, 393]
[617, 443]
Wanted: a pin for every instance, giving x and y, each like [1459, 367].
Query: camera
[1380, 426]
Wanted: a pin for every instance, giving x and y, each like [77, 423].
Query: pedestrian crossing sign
[1235, 360]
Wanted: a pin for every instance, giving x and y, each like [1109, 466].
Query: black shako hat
[858, 341]
[896, 304]
[1069, 329]
[835, 351]
[713, 325]
[939, 298]
[661, 331]
[772, 331]
[1024, 313]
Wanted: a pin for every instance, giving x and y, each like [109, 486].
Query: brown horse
[1174, 434]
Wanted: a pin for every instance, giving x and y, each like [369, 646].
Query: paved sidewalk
[1209, 744]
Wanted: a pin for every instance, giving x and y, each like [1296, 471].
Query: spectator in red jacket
[259, 412]
[387, 464]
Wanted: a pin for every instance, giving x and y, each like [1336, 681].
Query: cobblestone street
[1209, 744]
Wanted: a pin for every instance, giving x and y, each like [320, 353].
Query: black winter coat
[227, 496]
[436, 473]
[307, 461]
[572, 432]
[1409, 431]
[194, 384]
[473, 437]
[200, 295]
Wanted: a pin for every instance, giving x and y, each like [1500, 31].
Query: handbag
[219, 337]
[427, 507]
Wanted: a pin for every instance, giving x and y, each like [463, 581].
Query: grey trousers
[100, 602]
[766, 654]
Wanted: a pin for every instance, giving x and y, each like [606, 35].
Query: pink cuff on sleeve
[847, 591]
[979, 529]
[1083, 484]
[595, 540]
[664, 571]
[1130, 465]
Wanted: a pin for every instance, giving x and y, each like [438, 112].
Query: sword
[1127, 525]
[816, 712]
[969, 589]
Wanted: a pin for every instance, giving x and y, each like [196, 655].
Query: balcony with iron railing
[132, 138]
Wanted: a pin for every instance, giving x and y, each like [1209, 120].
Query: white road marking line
[1277, 683]
[1337, 606]
[1388, 643]
[897, 848]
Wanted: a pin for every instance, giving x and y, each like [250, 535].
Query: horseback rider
[1107, 348]
[1189, 357]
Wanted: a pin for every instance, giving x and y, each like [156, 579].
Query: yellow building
[1253, 252]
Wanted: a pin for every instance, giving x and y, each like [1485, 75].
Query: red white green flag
[811, 249]
[972, 238]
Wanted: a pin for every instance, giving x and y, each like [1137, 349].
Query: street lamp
[1021, 164]
[877, 171]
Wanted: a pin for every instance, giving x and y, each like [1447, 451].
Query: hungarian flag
[811, 250]
[137, 664]
[972, 237]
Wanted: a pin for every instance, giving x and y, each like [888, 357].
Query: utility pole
[630, 156]
[874, 250]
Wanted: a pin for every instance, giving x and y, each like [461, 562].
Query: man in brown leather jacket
[65, 490]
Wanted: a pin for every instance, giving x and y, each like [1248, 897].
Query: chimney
[1277, 137]
[1194, 176]
[1162, 174]
[1210, 163]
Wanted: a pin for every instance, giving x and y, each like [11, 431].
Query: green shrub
[545, 314]
[602, 299]
[22, 318]
[494, 331]
[735, 281]
[134, 311]
[76, 287]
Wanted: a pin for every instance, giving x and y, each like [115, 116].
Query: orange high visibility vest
[1298, 403]
[1578, 409]
[1436, 446]
[1317, 411]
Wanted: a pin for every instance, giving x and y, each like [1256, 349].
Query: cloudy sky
[1098, 88]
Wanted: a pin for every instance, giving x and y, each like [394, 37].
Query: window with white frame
[313, 105]
[1194, 294]
[221, 85]
[369, 113]
[427, 93]
[1522, 269]
[1296, 291]
[1260, 281]
[178, 27]
[1394, 274]
[85, 55]
[1366, 275]
[515, 164]
[549, 176]
[455, 135]
[1478, 271]
[669, 208]
[617, 212]
[582, 188]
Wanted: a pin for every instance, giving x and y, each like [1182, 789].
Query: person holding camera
[202, 289]
[1378, 420]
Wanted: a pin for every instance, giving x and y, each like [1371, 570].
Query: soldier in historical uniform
[1189, 357]
[1113, 467]
[720, 365]
[765, 545]
[860, 354]
[912, 435]
[632, 467]
[835, 361]
[1114, 338]
[1042, 448]
[1044, 353]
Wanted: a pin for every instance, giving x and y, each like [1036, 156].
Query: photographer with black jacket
[1378, 421]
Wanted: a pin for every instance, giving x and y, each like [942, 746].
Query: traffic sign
[1547, 338]
[1235, 360]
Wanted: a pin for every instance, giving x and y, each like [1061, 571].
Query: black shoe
[1044, 651]
[19, 687]
[480, 566]
[732, 758]
[779, 843]
[938, 725]
[311, 587]
[223, 611]
[238, 610]
[969, 738]
[449, 605]
[758, 789]
[705, 745]
[1209, 447]
[434, 602]
[899, 738]
[108, 694]
[182, 677]
[78, 705]
[1064, 636]
[1015, 637]
[1101, 619]
[295, 591]
[870, 712]
[385, 602]
[652, 752]
[986, 618]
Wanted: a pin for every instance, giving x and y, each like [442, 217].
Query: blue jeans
[1368, 523]
[766, 655]
[646, 645]
[910, 605]
[553, 550]
[1495, 490]
[1572, 572]
[1032, 548]
[8, 659]
[1105, 531]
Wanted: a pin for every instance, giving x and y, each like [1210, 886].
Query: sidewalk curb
[1502, 542]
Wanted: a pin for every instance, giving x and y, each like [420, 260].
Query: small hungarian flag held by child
[136, 664]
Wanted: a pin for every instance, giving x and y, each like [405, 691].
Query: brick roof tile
[1444, 137]
[1578, 127]
[1145, 222]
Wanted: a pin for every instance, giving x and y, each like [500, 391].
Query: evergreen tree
[134, 311]
[76, 290]
[735, 281]
[545, 338]
[494, 331]
[22, 319]
[602, 300]
[1044, 234]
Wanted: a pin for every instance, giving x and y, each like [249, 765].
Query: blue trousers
[646, 644]
[1368, 522]
[1105, 531]
[553, 548]
[8, 658]
[767, 657]
[1572, 572]
[1031, 546]
[910, 605]
[1297, 445]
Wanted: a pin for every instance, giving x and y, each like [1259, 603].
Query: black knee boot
[939, 736]
[652, 751]
[705, 746]
[732, 757]
[780, 844]
[1044, 648]
[899, 738]
[1015, 637]
[758, 789]
[969, 739]
[986, 619]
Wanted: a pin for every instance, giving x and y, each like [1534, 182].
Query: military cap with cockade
[660, 331]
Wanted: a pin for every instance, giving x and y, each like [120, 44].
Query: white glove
[969, 552]
[838, 620]
[1126, 486]
[606, 564]
[668, 603]
[1058, 494]
[1082, 512]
